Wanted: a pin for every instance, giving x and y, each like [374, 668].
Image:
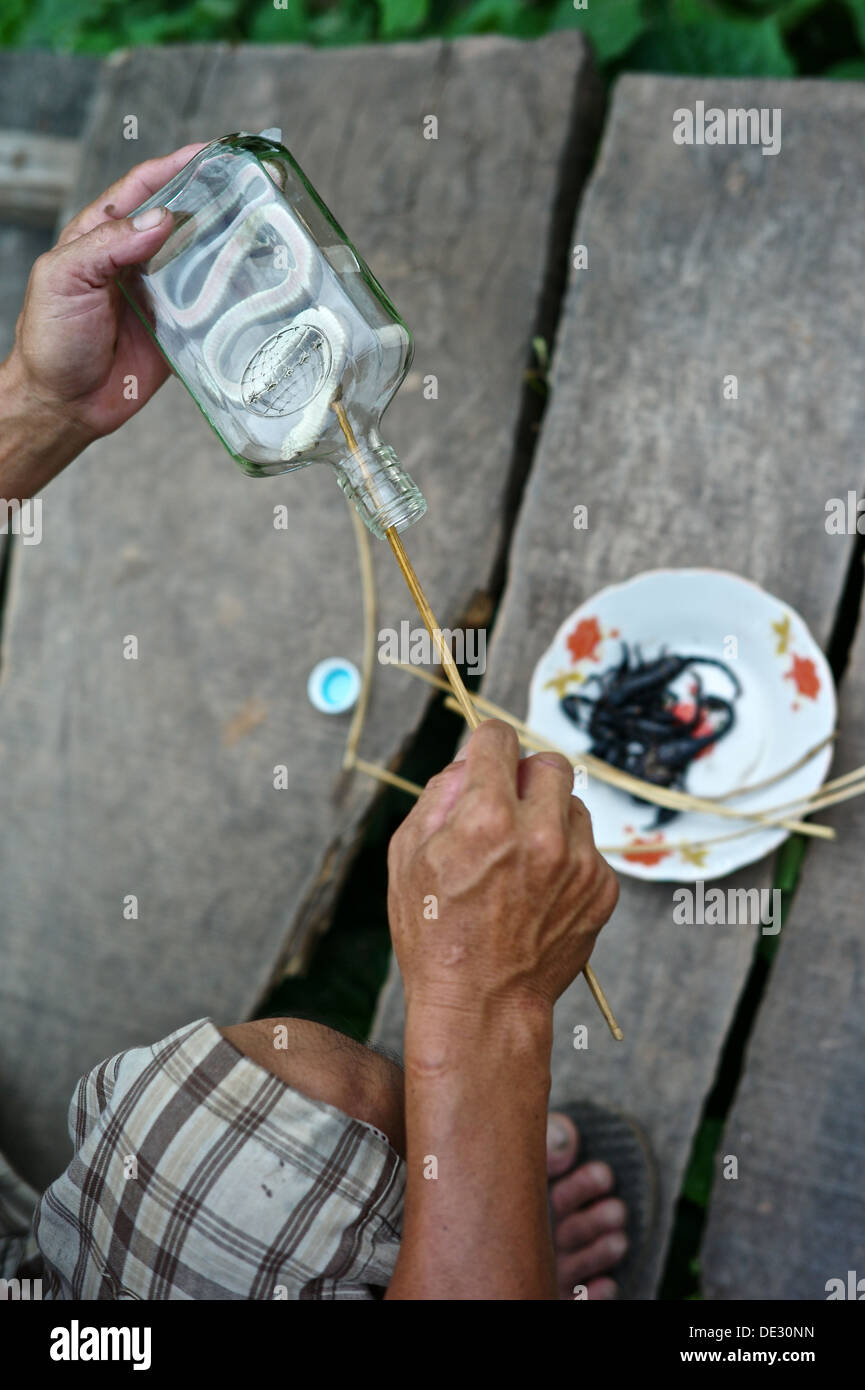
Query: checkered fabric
[197, 1174]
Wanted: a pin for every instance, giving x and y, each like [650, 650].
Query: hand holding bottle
[78, 343]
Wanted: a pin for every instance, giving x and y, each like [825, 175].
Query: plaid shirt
[199, 1175]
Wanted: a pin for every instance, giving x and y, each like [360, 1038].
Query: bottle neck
[373, 478]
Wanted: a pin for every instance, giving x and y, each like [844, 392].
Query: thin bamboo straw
[829, 794]
[748, 787]
[473, 719]
[760, 819]
[448, 666]
[661, 796]
[367, 579]
[384, 775]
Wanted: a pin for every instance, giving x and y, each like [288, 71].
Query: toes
[598, 1258]
[595, 1291]
[562, 1143]
[584, 1184]
[602, 1290]
[580, 1228]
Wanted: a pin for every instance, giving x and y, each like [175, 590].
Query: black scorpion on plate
[633, 721]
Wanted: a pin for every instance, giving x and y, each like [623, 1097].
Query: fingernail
[551, 759]
[557, 1135]
[146, 220]
[462, 754]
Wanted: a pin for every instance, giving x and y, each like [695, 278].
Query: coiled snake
[271, 352]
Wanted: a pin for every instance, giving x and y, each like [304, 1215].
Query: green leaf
[542, 352]
[792, 12]
[757, 7]
[690, 11]
[279, 26]
[611, 26]
[857, 10]
[343, 24]
[718, 47]
[217, 11]
[401, 16]
[13, 16]
[789, 862]
[487, 17]
[852, 71]
[59, 24]
[698, 1179]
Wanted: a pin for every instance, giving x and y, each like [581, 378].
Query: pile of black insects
[635, 720]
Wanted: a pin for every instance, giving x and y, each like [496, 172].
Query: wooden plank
[46, 93]
[794, 1217]
[37, 176]
[43, 98]
[696, 269]
[155, 777]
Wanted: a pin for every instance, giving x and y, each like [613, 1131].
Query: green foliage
[399, 17]
[511, 17]
[857, 10]
[288, 25]
[611, 27]
[718, 45]
[748, 38]
[698, 1179]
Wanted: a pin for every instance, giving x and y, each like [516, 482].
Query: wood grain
[794, 1216]
[128, 777]
[43, 102]
[702, 261]
[37, 176]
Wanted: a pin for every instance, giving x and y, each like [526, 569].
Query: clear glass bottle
[276, 326]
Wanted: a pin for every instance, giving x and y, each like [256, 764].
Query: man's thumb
[92, 261]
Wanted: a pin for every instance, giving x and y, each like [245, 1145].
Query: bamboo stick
[661, 796]
[666, 795]
[447, 662]
[473, 719]
[383, 774]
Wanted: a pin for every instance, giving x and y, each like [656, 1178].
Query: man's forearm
[35, 442]
[476, 1224]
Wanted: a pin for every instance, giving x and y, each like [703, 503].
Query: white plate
[787, 707]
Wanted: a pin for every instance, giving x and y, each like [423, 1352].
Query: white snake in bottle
[200, 286]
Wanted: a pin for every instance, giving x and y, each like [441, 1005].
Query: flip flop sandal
[612, 1137]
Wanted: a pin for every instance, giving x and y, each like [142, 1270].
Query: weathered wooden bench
[794, 1220]
[701, 262]
[155, 777]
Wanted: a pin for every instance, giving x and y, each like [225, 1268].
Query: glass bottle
[275, 325]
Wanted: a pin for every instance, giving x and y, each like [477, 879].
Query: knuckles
[557, 760]
[440, 779]
[549, 848]
[483, 822]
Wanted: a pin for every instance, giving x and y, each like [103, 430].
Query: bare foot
[588, 1224]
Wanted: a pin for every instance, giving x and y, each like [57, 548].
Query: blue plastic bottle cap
[334, 685]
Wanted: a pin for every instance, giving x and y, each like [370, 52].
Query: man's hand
[496, 895]
[77, 339]
[505, 852]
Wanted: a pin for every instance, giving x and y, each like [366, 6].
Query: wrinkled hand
[77, 340]
[502, 853]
